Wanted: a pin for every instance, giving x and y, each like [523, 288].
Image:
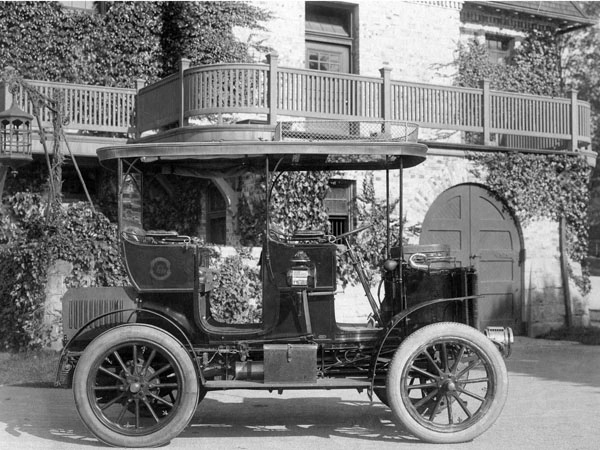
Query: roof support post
[139, 85]
[273, 98]
[184, 64]
[574, 145]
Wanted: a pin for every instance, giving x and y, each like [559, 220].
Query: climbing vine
[30, 245]
[534, 186]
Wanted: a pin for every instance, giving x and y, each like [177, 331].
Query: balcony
[482, 119]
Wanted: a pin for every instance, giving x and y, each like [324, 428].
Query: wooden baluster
[272, 92]
[574, 122]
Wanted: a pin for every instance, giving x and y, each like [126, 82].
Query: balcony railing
[493, 117]
[87, 108]
[274, 93]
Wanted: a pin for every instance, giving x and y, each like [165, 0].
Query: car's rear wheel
[447, 383]
[135, 386]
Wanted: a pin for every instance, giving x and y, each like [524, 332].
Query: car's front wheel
[447, 383]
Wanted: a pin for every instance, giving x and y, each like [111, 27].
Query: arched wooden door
[481, 232]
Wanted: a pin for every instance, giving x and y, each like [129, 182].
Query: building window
[499, 48]
[216, 216]
[320, 59]
[339, 205]
[330, 37]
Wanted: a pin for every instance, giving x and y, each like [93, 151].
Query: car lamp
[301, 274]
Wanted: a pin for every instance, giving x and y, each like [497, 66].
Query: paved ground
[554, 403]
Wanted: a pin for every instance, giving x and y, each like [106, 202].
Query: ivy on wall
[131, 40]
[29, 246]
[534, 186]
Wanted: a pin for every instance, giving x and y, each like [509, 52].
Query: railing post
[574, 121]
[386, 97]
[272, 59]
[139, 85]
[486, 112]
[184, 64]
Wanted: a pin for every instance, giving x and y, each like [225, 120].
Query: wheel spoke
[436, 408]
[112, 374]
[424, 372]
[420, 386]
[444, 357]
[149, 407]
[122, 414]
[435, 364]
[449, 408]
[148, 362]
[463, 405]
[160, 399]
[113, 401]
[166, 385]
[137, 412]
[135, 358]
[471, 394]
[426, 399]
[121, 363]
[475, 380]
[468, 368]
[160, 371]
[461, 353]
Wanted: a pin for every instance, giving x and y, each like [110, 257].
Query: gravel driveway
[553, 403]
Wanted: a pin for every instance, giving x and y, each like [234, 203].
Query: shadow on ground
[50, 414]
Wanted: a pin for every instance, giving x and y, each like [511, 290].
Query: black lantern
[301, 274]
[15, 137]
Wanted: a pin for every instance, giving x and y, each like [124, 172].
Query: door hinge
[522, 256]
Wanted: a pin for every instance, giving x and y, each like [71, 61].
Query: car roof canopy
[228, 157]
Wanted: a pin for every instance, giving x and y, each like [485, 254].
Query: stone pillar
[543, 306]
[55, 289]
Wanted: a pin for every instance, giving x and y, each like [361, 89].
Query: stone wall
[404, 35]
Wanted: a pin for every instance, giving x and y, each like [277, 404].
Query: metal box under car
[290, 363]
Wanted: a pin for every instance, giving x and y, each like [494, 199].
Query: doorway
[482, 232]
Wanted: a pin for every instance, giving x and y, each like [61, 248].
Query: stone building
[416, 41]
[392, 61]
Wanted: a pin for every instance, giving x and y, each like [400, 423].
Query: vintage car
[140, 358]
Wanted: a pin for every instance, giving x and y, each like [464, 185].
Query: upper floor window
[330, 36]
[499, 48]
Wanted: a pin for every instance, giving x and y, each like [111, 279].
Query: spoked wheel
[135, 386]
[447, 383]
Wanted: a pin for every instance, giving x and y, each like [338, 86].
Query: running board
[322, 383]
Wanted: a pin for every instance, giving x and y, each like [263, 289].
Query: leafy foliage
[534, 186]
[297, 203]
[533, 68]
[543, 186]
[178, 208]
[238, 296]
[132, 40]
[582, 71]
[29, 245]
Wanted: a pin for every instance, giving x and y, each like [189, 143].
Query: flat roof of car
[290, 155]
